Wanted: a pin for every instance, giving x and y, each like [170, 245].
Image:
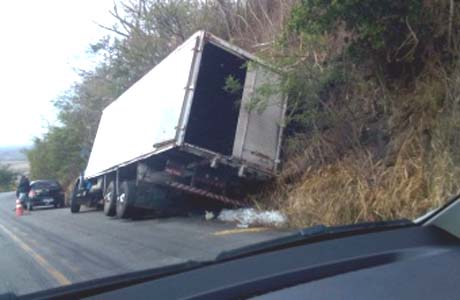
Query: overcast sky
[42, 44]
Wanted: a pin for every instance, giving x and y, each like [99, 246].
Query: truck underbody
[163, 182]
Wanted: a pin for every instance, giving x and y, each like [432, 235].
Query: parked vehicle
[45, 192]
[179, 130]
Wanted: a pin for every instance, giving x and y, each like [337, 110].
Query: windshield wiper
[310, 235]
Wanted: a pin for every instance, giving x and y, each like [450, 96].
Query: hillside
[374, 111]
[15, 158]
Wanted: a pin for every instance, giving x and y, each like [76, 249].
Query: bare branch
[126, 25]
[451, 18]
[251, 11]
[221, 6]
[267, 17]
[114, 30]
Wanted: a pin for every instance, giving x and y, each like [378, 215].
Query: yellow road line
[240, 230]
[60, 278]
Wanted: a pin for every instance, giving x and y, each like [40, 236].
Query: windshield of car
[185, 130]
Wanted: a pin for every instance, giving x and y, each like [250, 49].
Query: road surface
[52, 247]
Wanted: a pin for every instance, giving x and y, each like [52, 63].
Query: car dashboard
[408, 263]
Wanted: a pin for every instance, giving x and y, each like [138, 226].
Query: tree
[57, 155]
[7, 178]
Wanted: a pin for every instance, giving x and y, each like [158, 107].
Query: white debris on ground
[209, 215]
[246, 217]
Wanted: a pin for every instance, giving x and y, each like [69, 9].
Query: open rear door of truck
[261, 119]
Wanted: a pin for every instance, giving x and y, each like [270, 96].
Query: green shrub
[395, 34]
[7, 177]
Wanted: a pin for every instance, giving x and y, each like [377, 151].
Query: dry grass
[255, 25]
[358, 188]
[327, 182]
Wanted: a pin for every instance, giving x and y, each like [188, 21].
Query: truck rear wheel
[110, 200]
[74, 205]
[125, 199]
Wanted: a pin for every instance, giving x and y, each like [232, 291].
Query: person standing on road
[22, 191]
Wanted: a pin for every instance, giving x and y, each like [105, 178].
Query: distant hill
[12, 153]
[15, 158]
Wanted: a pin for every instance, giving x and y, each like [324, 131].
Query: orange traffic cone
[19, 209]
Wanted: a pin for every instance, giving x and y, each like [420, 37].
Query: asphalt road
[52, 247]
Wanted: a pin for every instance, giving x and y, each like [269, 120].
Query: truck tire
[74, 205]
[110, 200]
[125, 199]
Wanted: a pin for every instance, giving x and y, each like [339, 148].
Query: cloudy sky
[43, 43]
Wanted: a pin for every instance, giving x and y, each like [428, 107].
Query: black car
[46, 192]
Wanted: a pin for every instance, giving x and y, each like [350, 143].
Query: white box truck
[178, 130]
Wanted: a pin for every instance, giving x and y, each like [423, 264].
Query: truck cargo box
[182, 104]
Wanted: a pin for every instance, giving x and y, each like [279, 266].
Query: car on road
[45, 193]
